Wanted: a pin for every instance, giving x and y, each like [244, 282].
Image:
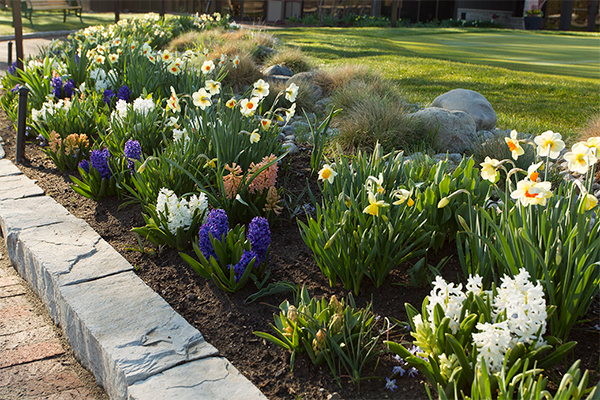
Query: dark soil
[228, 322]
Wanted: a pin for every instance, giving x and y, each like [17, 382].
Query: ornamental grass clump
[230, 256]
[459, 332]
[552, 232]
[336, 332]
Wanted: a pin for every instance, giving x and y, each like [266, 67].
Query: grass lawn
[535, 81]
[45, 21]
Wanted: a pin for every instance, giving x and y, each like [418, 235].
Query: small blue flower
[259, 235]
[390, 384]
[240, 267]
[133, 151]
[99, 161]
[16, 88]
[12, 69]
[412, 372]
[398, 370]
[398, 358]
[108, 96]
[124, 93]
[85, 165]
[57, 85]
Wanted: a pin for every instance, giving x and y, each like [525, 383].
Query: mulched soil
[228, 322]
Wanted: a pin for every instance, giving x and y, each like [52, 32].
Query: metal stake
[10, 53]
[22, 123]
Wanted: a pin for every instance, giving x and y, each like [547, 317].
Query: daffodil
[222, 60]
[374, 205]
[443, 202]
[201, 99]
[265, 123]
[213, 87]
[291, 92]
[174, 69]
[99, 59]
[514, 146]
[488, 169]
[530, 193]
[590, 201]
[580, 158]
[236, 61]
[248, 107]
[290, 112]
[403, 195]
[532, 171]
[254, 137]
[375, 185]
[327, 173]
[166, 56]
[173, 102]
[231, 102]
[151, 58]
[208, 67]
[594, 144]
[261, 89]
[113, 57]
[549, 144]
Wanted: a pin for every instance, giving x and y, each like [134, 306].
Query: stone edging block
[136, 345]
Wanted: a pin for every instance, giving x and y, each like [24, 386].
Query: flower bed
[195, 164]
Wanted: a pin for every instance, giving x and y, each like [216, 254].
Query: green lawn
[53, 21]
[535, 81]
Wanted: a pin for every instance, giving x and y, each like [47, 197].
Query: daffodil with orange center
[513, 145]
[531, 193]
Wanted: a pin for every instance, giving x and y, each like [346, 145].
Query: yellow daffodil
[327, 173]
[549, 144]
[590, 201]
[208, 67]
[254, 137]
[531, 193]
[231, 103]
[403, 195]
[291, 92]
[248, 107]
[488, 169]
[201, 99]
[374, 205]
[580, 158]
[514, 146]
[213, 87]
[532, 171]
[265, 123]
[594, 144]
[173, 102]
[375, 185]
[261, 89]
[443, 202]
[211, 163]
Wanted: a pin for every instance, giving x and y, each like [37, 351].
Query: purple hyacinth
[217, 225]
[133, 151]
[124, 93]
[12, 69]
[259, 235]
[240, 267]
[57, 85]
[99, 161]
[85, 165]
[108, 96]
[16, 88]
[69, 88]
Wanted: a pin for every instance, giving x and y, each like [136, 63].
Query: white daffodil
[488, 169]
[201, 99]
[213, 87]
[261, 89]
[532, 171]
[580, 158]
[254, 137]
[291, 92]
[173, 102]
[549, 144]
[248, 107]
[531, 193]
[327, 173]
[208, 67]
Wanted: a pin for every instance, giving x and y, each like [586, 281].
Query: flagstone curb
[135, 344]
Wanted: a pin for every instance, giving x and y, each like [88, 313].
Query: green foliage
[319, 138]
[338, 333]
[67, 153]
[93, 186]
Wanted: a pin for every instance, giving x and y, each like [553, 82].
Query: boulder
[274, 79]
[452, 131]
[470, 102]
[277, 70]
[306, 79]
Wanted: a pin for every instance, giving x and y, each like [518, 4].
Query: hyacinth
[492, 341]
[12, 69]
[99, 161]
[266, 178]
[231, 181]
[55, 141]
[450, 297]
[85, 165]
[143, 106]
[259, 235]
[74, 142]
[57, 85]
[124, 93]
[69, 88]
[272, 200]
[179, 212]
[217, 225]
[240, 267]
[133, 151]
[107, 96]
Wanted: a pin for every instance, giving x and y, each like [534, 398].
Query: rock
[276, 79]
[470, 102]
[2, 152]
[277, 70]
[263, 52]
[290, 138]
[288, 130]
[452, 131]
[306, 79]
[291, 147]
[300, 127]
[323, 106]
[17, 186]
[334, 396]
[454, 158]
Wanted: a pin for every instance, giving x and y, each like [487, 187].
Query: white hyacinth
[179, 212]
[450, 298]
[143, 106]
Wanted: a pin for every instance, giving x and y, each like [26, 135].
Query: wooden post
[566, 9]
[16, 6]
[592, 13]
[394, 13]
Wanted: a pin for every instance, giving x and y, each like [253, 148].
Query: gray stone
[277, 70]
[300, 126]
[291, 147]
[323, 106]
[471, 102]
[19, 214]
[274, 79]
[290, 138]
[263, 52]
[288, 130]
[17, 187]
[208, 379]
[7, 168]
[305, 80]
[452, 131]
[2, 152]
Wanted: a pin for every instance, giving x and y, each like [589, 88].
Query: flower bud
[335, 304]
[443, 202]
[336, 324]
[292, 314]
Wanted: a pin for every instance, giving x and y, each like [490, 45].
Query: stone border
[135, 344]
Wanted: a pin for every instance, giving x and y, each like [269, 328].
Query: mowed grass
[45, 21]
[535, 81]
